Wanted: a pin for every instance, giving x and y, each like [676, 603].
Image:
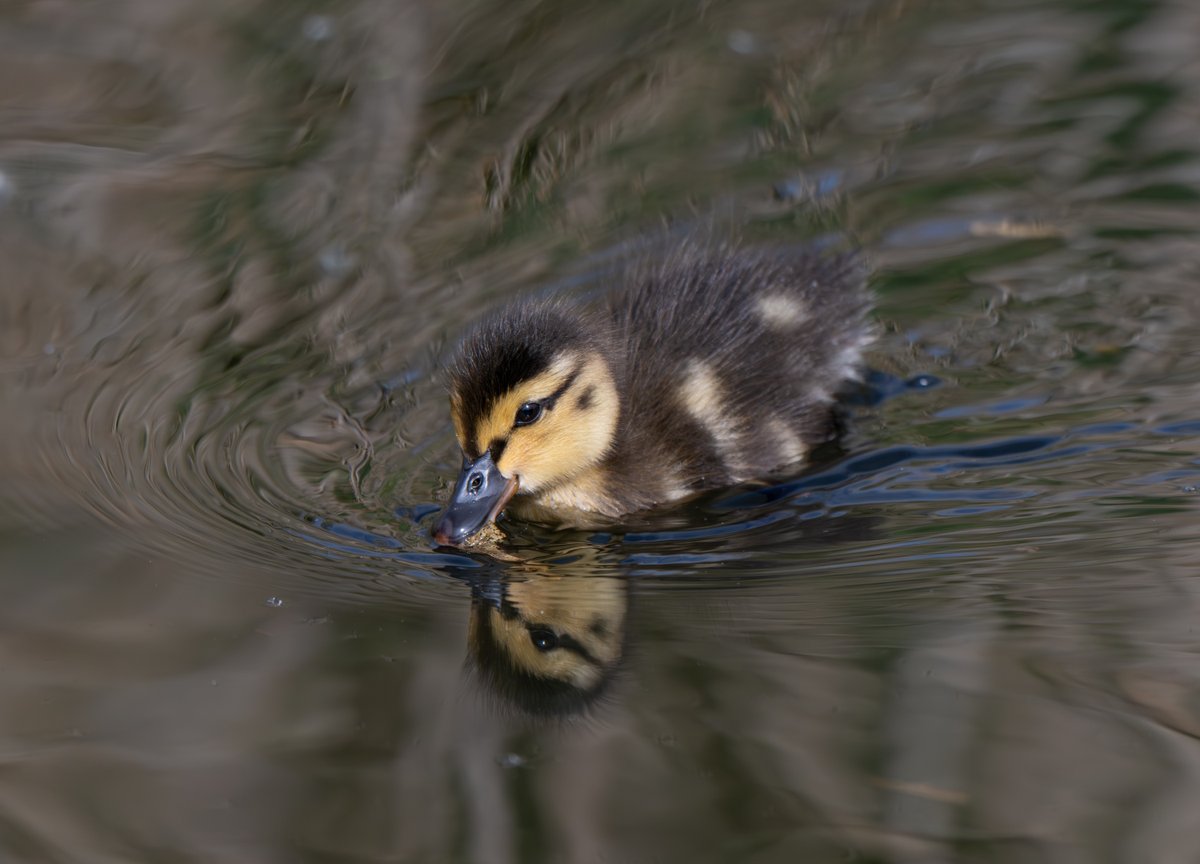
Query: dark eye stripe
[567, 642]
[585, 398]
[549, 401]
[571, 644]
[496, 448]
[547, 404]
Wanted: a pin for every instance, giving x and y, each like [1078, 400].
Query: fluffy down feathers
[701, 367]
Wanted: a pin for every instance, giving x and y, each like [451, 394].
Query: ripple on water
[235, 252]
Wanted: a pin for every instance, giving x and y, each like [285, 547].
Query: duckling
[548, 645]
[703, 367]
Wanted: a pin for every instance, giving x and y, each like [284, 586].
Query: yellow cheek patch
[499, 421]
[571, 437]
[542, 451]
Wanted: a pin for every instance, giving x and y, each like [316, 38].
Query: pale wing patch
[677, 493]
[702, 398]
[789, 446]
[676, 488]
[780, 310]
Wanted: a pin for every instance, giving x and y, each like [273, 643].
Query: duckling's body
[705, 367]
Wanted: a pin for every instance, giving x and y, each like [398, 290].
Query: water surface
[238, 240]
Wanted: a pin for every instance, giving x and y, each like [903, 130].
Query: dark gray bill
[479, 496]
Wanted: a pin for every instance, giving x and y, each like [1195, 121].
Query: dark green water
[238, 239]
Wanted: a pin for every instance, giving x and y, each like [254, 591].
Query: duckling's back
[731, 362]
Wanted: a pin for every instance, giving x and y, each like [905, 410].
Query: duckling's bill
[479, 496]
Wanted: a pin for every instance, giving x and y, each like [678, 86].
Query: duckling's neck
[585, 500]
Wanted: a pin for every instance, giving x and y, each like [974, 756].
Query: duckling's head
[548, 645]
[534, 401]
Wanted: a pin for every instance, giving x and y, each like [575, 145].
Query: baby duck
[702, 368]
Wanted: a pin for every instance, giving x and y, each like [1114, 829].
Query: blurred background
[237, 239]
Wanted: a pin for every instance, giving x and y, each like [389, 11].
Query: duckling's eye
[543, 639]
[528, 413]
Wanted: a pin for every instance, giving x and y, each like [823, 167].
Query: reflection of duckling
[705, 368]
[548, 645]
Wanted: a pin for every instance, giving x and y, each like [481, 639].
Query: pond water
[238, 241]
